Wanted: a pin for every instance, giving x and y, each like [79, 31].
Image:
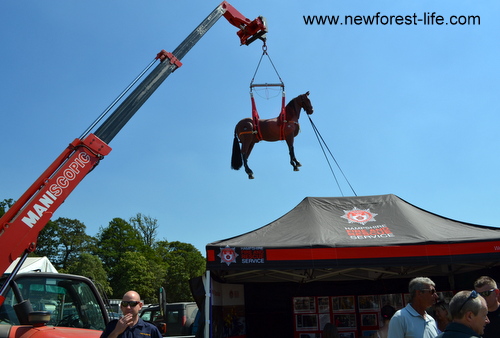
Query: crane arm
[21, 224]
[249, 32]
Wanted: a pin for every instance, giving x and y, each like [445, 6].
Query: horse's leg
[293, 161]
[243, 131]
[246, 149]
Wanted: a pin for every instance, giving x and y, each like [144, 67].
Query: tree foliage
[115, 240]
[146, 226]
[5, 205]
[122, 256]
[184, 262]
[63, 241]
[91, 266]
[135, 272]
[48, 243]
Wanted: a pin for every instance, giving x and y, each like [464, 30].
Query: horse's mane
[292, 101]
[290, 106]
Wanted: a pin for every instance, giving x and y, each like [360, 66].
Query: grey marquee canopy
[352, 238]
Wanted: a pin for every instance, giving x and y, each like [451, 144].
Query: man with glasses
[470, 315]
[412, 320]
[130, 325]
[487, 288]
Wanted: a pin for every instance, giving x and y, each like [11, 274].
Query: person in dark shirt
[130, 325]
[469, 314]
[487, 288]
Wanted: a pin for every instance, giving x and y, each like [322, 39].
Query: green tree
[5, 205]
[115, 240]
[48, 242]
[146, 226]
[91, 267]
[135, 272]
[63, 241]
[184, 262]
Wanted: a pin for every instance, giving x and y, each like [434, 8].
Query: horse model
[283, 127]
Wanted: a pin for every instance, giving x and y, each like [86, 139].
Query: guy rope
[321, 143]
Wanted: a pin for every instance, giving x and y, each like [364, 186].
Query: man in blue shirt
[130, 325]
[412, 321]
[470, 315]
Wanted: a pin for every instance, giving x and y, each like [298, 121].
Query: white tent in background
[33, 264]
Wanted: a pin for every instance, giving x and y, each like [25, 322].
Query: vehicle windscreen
[151, 315]
[71, 303]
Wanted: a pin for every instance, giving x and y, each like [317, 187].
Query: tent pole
[451, 278]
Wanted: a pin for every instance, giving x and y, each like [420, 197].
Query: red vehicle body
[21, 224]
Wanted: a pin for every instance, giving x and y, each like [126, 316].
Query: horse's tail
[236, 160]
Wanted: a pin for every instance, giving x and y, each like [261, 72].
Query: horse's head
[294, 106]
[305, 103]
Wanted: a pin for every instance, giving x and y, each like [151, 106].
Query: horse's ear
[307, 94]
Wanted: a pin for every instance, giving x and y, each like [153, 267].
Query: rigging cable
[255, 113]
[321, 141]
[106, 111]
[264, 52]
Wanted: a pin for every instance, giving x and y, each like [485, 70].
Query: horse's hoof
[250, 177]
[295, 169]
[299, 165]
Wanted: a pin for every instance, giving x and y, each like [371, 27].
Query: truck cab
[181, 319]
[37, 303]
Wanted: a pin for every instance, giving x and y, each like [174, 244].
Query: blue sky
[410, 110]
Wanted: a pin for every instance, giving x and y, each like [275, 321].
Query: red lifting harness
[255, 113]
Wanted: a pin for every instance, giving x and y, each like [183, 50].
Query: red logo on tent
[227, 255]
[359, 216]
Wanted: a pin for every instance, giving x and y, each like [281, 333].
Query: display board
[354, 316]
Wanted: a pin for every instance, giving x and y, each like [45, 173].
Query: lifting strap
[255, 113]
[255, 117]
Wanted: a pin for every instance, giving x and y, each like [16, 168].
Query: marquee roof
[33, 264]
[342, 238]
